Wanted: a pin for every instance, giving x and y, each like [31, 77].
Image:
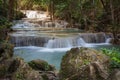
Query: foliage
[4, 22]
[92, 15]
[19, 15]
[114, 55]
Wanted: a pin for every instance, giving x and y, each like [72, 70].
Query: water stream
[38, 38]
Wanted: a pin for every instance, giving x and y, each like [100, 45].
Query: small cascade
[93, 37]
[28, 41]
[108, 40]
[36, 26]
[25, 26]
[65, 42]
[34, 39]
[81, 42]
[34, 14]
[58, 43]
[55, 24]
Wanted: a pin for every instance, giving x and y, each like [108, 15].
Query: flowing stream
[36, 37]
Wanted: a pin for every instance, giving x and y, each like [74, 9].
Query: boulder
[41, 65]
[84, 64]
[25, 72]
[17, 69]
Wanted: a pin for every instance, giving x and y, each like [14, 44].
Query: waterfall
[93, 37]
[34, 40]
[28, 40]
[32, 33]
[65, 42]
[108, 40]
[83, 39]
[34, 14]
[58, 43]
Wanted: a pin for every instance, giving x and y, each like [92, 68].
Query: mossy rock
[25, 72]
[78, 64]
[41, 65]
[6, 50]
[17, 69]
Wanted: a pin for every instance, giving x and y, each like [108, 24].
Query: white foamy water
[35, 14]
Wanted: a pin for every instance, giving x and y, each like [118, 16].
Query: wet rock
[84, 64]
[41, 65]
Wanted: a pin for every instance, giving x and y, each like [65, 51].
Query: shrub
[114, 55]
[19, 15]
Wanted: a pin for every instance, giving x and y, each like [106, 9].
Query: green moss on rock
[41, 65]
[25, 72]
[78, 64]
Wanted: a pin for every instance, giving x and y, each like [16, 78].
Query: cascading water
[78, 40]
[43, 39]
[34, 14]
[28, 41]
[65, 42]
[93, 37]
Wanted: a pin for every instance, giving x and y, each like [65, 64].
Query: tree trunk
[11, 10]
[114, 31]
[103, 4]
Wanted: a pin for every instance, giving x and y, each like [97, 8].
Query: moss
[40, 65]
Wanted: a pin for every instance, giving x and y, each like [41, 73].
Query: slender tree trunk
[85, 22]
[47, 10]
[112, 12]
[5, 5]
[113, 22]
[11, 10]
[51, 10]
[103, 4]
[70, 14]
[16, 7]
